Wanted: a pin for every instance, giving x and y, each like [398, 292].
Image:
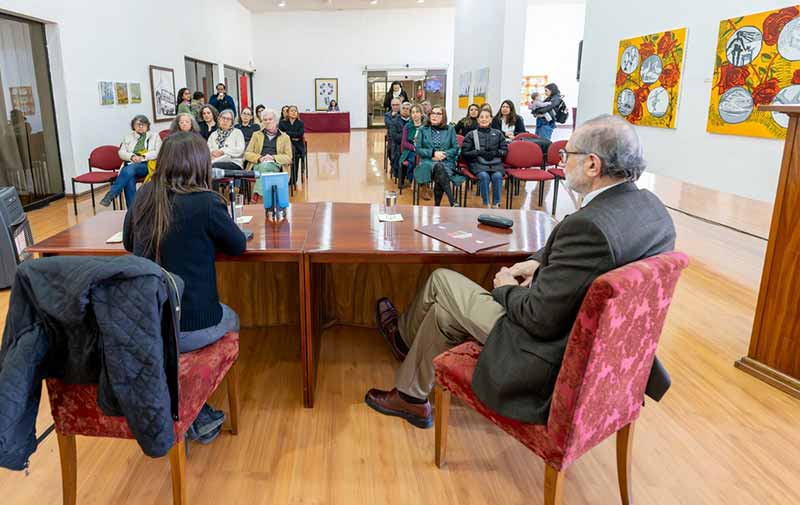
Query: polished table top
[333, 232]
[346, 232]
[274, 240]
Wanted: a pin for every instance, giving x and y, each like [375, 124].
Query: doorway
[420, 85]
[30, 159]
[240, 86]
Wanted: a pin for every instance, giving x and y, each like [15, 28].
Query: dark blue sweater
[200, 227]
[224, 104]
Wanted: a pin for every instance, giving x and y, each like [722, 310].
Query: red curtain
[244, 95]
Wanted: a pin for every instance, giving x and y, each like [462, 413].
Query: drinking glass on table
[238, 207]
[390, 202]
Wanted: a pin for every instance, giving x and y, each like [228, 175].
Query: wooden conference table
[328, 262]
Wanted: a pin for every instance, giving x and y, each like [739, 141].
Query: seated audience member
[284, 114]
[507, 120]
[184, 100]
[395, 91]
[179, 223]
[226, 144]
[524, 323]
[198, 100]
[487, 106]
[207, 121]
[392, 113]
[333, 106]
[553, 99]
[409, 151]
[138, 147]
[259, 109]
[468, 122]
[484, 149]
[184, 122]
[396, 136]
[269, 150]
[293, 126]
[247, 125]
[437, 148]
[426, 110]
[222, 100]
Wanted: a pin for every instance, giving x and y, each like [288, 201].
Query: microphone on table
[223, 173]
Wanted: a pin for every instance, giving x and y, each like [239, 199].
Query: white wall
[293, 48]
[744, 166]
[490, 34]
[96, 40]
[551, 47]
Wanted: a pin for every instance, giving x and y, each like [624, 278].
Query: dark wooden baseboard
[769, 375]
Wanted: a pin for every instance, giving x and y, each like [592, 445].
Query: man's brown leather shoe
[389, 403]
[386, 317]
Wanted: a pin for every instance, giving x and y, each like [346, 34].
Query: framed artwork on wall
[464, 88]
[121, 90]
[162, 89]
[481, 86]
[648, 78]
[531, 83]
[757, 63]
[135, 92]
[106, 89]
[325, 90]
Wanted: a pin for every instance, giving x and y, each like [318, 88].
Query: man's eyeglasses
[564, 154]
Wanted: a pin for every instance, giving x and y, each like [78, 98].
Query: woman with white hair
[138, 149]
[226, 143]
[269, 150]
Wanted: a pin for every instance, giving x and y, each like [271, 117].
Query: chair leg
[233, 396]
[624, 453]
[74, 198]
[553, 485]
[69, 468]
[91, 190]
[555, 195]
[441, 413]
[177, 463]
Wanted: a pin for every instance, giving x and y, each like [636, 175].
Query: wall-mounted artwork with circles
[649, 78]
[757, 63]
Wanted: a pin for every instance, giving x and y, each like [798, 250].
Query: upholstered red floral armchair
[600, 388]
[75, 411]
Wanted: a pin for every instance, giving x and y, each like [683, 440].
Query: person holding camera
[222, 101]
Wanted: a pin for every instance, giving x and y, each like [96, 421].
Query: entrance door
[376, 92]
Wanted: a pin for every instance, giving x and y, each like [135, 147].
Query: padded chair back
[523, 154]
[460, 140]
[600, 388]
[105, 158]
[163, 134]
[525, 135]
[553, 155]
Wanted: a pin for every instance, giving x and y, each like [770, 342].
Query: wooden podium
[774, 354]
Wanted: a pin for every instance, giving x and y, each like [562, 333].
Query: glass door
[240, 86]
[200, 76]
[29, 154]
[376, 92]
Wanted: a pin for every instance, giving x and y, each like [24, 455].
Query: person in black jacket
[180, 223]
[395, 91]
[507, 120]
[207, 121]
[396, 126]
[525, 322]
[484, 149]
[547, 122]
[469, 122]
[293, 127]
[247, 124]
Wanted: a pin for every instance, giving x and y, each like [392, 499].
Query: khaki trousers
[450, 310]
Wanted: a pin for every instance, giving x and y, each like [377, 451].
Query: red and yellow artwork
[648, 78]
[757, 63]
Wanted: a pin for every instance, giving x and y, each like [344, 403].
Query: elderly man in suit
[524, 323]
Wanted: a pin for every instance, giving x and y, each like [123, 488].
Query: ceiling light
[282, 3]
[420, 1]
[373, 2]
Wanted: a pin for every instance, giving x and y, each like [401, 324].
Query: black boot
[107, 200]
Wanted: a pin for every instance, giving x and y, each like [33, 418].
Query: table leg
[306, 332]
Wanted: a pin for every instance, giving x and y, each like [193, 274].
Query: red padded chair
[553, 161]
[106, 160]
[525, 135]
[600, 387]
[525, 162]
[75, 411]
[163, 134]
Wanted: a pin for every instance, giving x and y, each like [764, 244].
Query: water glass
[390, 201]
[238, 207]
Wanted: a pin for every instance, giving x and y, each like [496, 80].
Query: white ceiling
[333, 5]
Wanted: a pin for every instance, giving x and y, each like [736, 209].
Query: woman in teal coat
[437, 148]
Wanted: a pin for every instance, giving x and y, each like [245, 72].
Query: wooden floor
[719, 436]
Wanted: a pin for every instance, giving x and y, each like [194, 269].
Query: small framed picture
[325, 90]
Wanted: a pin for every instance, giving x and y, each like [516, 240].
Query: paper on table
[115, 238]
[390, 218]
[244, 219]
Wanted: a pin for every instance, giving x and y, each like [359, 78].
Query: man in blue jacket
[222, 101]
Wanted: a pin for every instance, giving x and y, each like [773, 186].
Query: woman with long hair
[333, 106]
[546, 116]
[180, 223]
[284, 113]
[438, 151]
[184, 100]
[207, 120]
[247, 124]
[184, 122]
[507, 120]
[468, 122]
[395, 91]
[259, 110]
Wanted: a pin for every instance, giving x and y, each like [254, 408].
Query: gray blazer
[517, 370]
